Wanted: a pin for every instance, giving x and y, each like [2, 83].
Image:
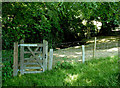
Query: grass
[100, 72]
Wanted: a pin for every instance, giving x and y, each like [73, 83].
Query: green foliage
[64, 65]
[55, 22]
[96, 72]
[7, 69]
[31, 24]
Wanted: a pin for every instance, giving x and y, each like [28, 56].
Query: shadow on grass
[101, 72]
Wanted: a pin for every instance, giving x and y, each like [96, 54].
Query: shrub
[7, 71]
[64, 65]
[7, 68]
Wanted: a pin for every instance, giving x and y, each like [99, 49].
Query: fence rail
[94, 50]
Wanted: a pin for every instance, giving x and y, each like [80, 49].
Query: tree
[56, 21]
[21, 20]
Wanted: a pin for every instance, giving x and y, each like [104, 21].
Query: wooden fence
[83, 51]
[39, 60]
[97, 50]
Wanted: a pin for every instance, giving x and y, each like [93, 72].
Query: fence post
[94, 48]
[15, 63]
[0, 58]
[50, 59]
[83, 53]
[22, 57]
[45, 54]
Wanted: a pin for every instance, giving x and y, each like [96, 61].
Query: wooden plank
[22, 58]
[29, 59]
[45, 54]
[15, 64]
[26, 58]
[31, 64]
[38, 60]
[33, 67]
[83, 53]
[94, 49]
[30, 52]
[32, 59]
[50, 59]
[40, 45]
[33, 71]
[36, 49]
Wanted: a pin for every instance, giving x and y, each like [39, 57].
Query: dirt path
[106, 46]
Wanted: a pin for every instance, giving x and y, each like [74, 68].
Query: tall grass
[100, 72]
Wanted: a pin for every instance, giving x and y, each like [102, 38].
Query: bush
[7, 71]
[64, 65]
[7, 68]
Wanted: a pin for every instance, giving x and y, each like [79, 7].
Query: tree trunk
[88, 34]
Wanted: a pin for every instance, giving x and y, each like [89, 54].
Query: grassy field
[100, 72]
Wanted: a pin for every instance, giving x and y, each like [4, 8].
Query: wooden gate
[37, 61]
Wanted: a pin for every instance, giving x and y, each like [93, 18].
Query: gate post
[15, 63]
[50, 59]
[21, 57]
[45, 54]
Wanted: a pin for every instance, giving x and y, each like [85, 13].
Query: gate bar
[40, 45]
